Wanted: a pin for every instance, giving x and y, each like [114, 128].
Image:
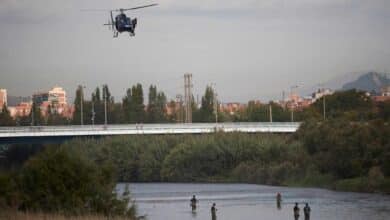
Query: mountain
[371, 81]
[334, 84]
[367, 81]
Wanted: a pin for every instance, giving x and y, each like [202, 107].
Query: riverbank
[17, 215]
[334, 155]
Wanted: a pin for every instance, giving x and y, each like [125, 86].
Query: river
[166, 201]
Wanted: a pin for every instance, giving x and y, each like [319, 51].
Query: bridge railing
[79, 130]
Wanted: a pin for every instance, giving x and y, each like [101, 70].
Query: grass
[363, 184]
[17, 215]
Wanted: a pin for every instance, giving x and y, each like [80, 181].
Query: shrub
[61, 181]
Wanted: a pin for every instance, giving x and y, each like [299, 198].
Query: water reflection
[193, 213]
[278, 205]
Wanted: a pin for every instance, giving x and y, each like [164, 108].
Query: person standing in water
[193, 203]
[306, 211]
[296, 211]
[278, 200]
[213, 212]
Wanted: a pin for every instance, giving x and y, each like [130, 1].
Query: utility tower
[179, 113]
[188, 97]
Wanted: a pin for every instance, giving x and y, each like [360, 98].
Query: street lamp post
[215, 102]
[32, 113]
[81, 104]
[323, 100]
[105, 105]
[323, 104]
[93, 113]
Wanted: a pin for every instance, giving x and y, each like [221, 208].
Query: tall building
[21, 110]
[54, 97]
[40, 97]
[57, 95]
[3, 98]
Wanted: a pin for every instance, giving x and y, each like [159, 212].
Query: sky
[249, 49]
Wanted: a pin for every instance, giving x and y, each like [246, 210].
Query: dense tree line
[352, 105]
[325, 154]
[198, 158]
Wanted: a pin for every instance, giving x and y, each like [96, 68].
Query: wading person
[278, 200]
[193, 203]
[213, 212]
[296, 211]
[306, 211]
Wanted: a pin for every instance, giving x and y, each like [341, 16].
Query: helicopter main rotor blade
[139, 7]
[94, 10]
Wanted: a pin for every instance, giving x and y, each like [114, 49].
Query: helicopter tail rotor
[134, 21]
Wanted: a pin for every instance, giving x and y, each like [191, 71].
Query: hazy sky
[251, 49]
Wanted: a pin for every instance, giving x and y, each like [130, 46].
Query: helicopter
[122, 23]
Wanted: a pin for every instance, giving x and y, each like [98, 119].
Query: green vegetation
[318, 155]
[5, 117]
[60, 181]
[342, 152]
[350, 150]
[215, 157]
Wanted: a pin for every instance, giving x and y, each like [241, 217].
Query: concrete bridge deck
[133, 129]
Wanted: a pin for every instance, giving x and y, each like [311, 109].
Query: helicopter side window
[123, 19]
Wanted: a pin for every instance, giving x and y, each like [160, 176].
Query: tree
[279, 114]
[156, 112]
[355, 105]
[107, 94]
[133, 105]
[5, 117]
[96, 95]
[127, 106]
[77, 105]
[138, 103]
[36, 115]
[109, 101]
[256, 112]
[161, 107]
[53, 118]
[206, 111]
[152, 105]
[59, 180]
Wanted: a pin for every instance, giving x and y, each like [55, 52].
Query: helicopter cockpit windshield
[123, 23]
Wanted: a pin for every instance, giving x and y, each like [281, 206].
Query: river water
[166, 201]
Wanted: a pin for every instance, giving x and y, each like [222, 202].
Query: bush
[61, 181]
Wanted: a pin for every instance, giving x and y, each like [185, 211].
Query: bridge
[15, 134]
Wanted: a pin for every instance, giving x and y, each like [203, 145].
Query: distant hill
[371, 81]
[367, 81]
